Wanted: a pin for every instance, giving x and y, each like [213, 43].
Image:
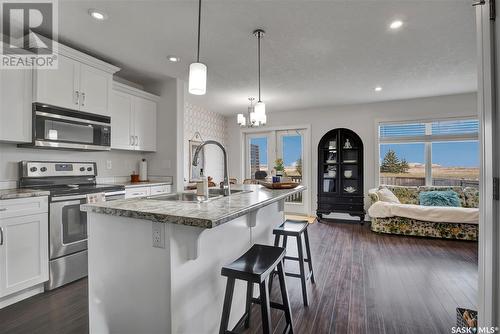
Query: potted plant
[279, 167]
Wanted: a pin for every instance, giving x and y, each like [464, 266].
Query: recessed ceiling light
[173, 59]
[97, 14]
[378, 89]
[396, 24]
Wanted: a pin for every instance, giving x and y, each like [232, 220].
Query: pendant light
[198, 71]
[260, 107]
[256, 115]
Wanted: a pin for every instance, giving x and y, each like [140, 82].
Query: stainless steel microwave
[61, 128]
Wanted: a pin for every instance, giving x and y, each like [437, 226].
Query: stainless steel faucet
[225, 185]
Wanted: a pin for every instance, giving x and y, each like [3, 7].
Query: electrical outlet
[109, 164]
[158, 235]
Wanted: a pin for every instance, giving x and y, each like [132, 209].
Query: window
[258, 155]
[441, 153]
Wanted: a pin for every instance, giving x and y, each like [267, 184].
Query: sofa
[465, 218]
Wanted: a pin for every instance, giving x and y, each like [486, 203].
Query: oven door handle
[68, 198]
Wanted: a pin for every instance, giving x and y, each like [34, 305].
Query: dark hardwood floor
[365, 283]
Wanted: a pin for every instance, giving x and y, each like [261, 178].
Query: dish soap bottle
[202, 185]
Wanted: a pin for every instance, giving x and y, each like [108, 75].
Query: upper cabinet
[80, 83]
[133, 119]
[15, 105]
[58, 87]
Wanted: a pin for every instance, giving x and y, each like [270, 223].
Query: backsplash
[212, 126]
[122, 162]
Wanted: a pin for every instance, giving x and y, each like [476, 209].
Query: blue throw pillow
[439, 198]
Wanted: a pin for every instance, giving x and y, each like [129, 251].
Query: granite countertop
[205, 215]
[21, 193]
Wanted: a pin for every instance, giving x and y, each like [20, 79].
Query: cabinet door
[145, 124]
[15, 105]
[121, 121]
[58, 87]
[24, 253]
[95, 86]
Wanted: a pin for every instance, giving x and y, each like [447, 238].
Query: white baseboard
[21, 295]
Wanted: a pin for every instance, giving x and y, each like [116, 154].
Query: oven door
[67, 226]
[57, 128]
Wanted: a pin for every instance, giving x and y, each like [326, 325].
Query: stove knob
[82, 169]
[33, 169]
[43, 169]
[89, 169]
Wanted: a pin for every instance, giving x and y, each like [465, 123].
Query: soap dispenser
[202, 185]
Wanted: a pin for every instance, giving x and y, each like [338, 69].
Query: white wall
[211, 126]
[164, 161]
[360, 118]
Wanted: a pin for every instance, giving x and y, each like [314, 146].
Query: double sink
[191, 197]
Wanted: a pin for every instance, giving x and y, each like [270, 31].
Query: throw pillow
[385, 195]
[439, 198]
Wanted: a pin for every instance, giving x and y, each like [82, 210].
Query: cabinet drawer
[137, 192]
[159, 190]
[343, 200]
[341, 207]
[23, 206]
[347, 207]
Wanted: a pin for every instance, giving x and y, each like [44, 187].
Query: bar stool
[296, 228]
[255, 266]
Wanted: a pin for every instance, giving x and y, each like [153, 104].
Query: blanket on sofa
[438, 214]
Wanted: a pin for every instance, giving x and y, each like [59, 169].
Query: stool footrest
[298, 275]
[293, 258]
[272, 304]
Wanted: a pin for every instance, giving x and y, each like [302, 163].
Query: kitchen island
[154, 263]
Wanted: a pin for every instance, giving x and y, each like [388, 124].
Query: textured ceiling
[315, 53]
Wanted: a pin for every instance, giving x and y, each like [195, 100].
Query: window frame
[427, 139]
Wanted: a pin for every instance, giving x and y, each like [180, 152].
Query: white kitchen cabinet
[58, 87]
[145, 124]
[121, 121]
[133, 119]
[15, 105]
[80, 82]
[147, 190]
[95, 87]
[160, 189]
[24, 252]
[137, 192]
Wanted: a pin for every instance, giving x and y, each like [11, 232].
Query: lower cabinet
[24, 251]
[144, 191]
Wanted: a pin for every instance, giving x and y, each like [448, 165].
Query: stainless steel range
[69, 184]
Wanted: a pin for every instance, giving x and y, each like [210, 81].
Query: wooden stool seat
[291, 227]
[256, 266]
[297, 229]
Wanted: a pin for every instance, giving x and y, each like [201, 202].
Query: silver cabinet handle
[3, 209]
[131, 140]
[1, 236]
[136, 140]
[83, 99]
[77, 97]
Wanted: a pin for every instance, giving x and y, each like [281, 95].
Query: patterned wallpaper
[212, 126]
